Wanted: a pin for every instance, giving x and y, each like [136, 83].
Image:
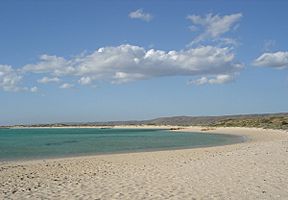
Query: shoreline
[256, 168]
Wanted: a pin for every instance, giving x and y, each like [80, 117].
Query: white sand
[257, 169]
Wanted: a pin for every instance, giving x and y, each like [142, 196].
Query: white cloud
[34, 89]
[277, 60]
[59, 66]
[200, 81]
[66, 86]
[124, 63]
[214, 25]
[122, 77]
[218, 79]
[85, 80]
[128, 63]
[46, 79]
[140, 14]
[9, 79]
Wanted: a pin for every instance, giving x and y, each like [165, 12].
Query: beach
[255, 169]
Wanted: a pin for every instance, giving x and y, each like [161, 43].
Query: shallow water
[50, 143]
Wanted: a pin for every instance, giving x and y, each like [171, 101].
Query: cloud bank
[125, 63]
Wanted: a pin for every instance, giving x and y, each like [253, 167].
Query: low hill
[274, 121]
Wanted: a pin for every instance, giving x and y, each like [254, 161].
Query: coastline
[229, 171]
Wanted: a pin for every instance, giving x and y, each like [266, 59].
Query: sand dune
[256, 169]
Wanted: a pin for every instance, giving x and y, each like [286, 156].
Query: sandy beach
[255, 169]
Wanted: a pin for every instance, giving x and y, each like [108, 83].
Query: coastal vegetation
[273, 122]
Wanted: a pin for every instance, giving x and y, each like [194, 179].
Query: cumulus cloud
[140, 14]
[66, 86]
[126, 63]
[9, 78]
[218, 79]
[213, 26]
[277, 60]
[59, 66]
[46, 79]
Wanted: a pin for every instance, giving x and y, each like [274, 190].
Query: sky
[79, 61]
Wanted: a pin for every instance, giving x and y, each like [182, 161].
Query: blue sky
[63, 61]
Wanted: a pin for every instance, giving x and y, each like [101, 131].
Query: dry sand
[256, 169]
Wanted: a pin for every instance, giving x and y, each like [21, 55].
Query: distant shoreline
[267, 121]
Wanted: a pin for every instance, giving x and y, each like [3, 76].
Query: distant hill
[277, 121]
[274, 121]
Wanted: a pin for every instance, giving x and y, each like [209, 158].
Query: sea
[43, 143]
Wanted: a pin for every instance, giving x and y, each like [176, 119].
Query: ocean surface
[18, 144]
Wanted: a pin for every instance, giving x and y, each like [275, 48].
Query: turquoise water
[50, 143]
